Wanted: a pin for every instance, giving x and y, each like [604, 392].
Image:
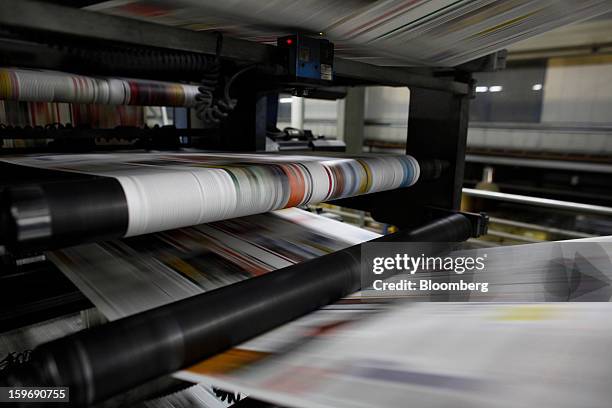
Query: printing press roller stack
[108, 197]
[185, 332]
[167, 232]
[101, 197]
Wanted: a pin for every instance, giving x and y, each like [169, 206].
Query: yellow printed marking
[227, 362]
[183, 267]
[506, 24]
[527, 313]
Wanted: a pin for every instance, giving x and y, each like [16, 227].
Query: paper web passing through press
[172, 190]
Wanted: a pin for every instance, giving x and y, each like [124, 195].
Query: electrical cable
[212, 112]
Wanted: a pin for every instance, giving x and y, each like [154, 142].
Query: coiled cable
[13, 359]
[213, 111]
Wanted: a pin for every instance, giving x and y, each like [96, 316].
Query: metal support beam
[540, 202]
[246, 125]
[437, 128]
[395, 76]
[351, 111]
[298, 106]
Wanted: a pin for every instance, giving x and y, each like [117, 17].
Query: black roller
[56, 214]
[100, 362]
[432, 169]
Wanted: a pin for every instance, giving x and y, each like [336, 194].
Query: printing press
[224, 101]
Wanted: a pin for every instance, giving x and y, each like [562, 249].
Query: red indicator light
[289, 41]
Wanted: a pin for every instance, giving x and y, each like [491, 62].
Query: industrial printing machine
[38, 205]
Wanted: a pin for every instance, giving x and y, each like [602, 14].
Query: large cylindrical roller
[100, 362]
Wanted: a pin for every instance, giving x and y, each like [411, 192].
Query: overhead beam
[395, 76]
[351, 113]
[47, 17]
[35, 15]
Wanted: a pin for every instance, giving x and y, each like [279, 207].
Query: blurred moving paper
[553, 355]
[563, 271]
[364, 355]
[159, 191]
[131, 275]
[352, 354]
[383, 32]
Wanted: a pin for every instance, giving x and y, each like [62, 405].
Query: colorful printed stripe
[167, 191]
[50, 86]
[203, 188]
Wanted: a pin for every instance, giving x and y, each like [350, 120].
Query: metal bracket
[480, 221]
